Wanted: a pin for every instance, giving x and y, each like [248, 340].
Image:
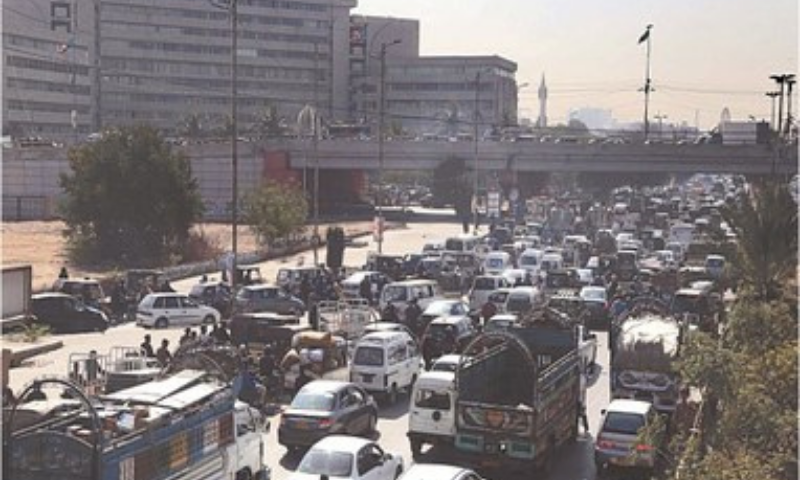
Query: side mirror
[603, 411]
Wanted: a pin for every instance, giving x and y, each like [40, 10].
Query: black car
[65, 313]
[218, 295]
[326, 407]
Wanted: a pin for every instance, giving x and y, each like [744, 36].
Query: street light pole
[315, 131]
[381, 111]
[772, 95]
[647, 81]
[234, 142]
[475, 151]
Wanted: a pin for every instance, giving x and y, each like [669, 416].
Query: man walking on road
[147, 347]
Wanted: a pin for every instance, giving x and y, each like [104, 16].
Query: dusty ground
[42, 245]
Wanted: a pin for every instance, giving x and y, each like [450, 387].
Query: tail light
[605, 444]
[644, 448]
[325, 423]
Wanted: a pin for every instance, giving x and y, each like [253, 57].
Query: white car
[446, 363]
[162, 310]
[482, 287]
[432, 471]
[346, 457]
[496, 262]
[617, 441]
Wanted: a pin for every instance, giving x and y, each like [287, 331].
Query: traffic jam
[486, 341]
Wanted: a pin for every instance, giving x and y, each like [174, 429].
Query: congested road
[574, 462]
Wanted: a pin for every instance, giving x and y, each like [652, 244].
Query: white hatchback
[162, 310]
[347, 457]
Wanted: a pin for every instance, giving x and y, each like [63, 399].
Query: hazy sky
[707, 54]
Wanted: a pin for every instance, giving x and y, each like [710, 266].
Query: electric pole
[381, 112]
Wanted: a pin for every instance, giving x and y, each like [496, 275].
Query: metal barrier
[28, 207]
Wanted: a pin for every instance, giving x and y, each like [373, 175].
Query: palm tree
[765, 223]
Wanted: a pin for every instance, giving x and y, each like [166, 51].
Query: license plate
[302, 424]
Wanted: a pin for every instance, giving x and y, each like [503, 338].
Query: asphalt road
[574, 463]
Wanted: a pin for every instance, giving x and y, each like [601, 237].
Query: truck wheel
[162, 323]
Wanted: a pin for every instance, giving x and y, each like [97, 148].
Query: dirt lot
[41, 244]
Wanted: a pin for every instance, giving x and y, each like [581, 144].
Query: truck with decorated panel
[521, 417]
[186, 425]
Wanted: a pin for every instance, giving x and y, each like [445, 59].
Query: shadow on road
[393, 412]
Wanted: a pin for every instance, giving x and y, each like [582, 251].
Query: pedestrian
[146, 347]
[163, 354]
[366, 290]
[204, 338]
[186, 337]
[223, 336]
[582, 416]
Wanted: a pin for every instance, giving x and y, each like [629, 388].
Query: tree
[269, 123]
[275, 210]
[765, 223]
[129, 198]
[191, 127]
[451, 121]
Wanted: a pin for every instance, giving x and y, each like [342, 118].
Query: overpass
[31, 189]
[547, 157]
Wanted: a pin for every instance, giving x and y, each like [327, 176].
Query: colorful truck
[187, 425]
[522, 424]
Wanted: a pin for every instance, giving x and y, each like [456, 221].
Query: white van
[522, 299]
[496, 262]
[385, 363]
[551, 262]
[431, 415]
[530, 259]
[400, 294]
[482, 287]
[462, 244]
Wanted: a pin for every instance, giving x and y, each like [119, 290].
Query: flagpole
[647, 83]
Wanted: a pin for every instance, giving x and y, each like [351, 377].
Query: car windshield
[395, 294]
[431, 399]
[438, 308]
[483, 283]
[594, 294]
[518, 303]
[368, 356]
[495, 262]
[715, 263]
[332, 464]
[528, 261]
[444, 366]
[310, 400]
[625, 423]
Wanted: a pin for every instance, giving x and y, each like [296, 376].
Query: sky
[706, 54]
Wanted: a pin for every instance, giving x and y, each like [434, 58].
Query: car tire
[161, 323]
[372, 424]
[416, 449]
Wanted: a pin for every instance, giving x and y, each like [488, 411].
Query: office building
[47, 68]
[433, 95]
[164, 62]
